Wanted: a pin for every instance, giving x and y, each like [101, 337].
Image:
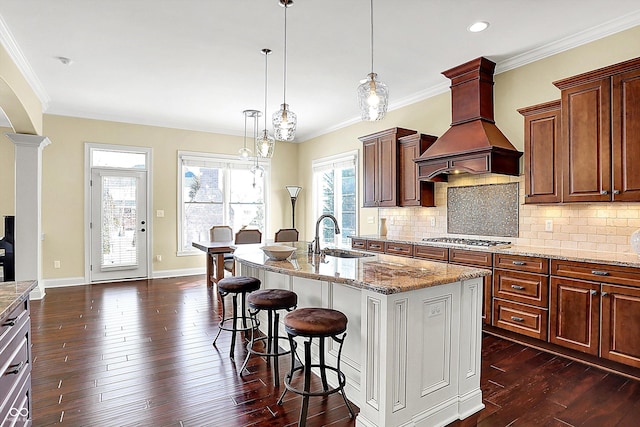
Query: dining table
[215, 253]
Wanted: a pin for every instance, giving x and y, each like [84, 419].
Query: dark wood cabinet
[381, 177]
[433, 253]
[481, 260]
[412, 191]
[575, 314]
[542, 155]
[620, 341]
[600, 141]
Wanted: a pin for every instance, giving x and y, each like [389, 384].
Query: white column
[28, 194]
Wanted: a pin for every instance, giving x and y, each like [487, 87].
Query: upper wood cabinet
[412, 191]
[600, 131]
[384, 173]
[542, 165]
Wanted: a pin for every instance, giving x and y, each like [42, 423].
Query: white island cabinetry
[412, 355]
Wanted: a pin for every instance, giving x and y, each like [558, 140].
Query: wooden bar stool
[235, 285]
[269, 300]
[313, 323]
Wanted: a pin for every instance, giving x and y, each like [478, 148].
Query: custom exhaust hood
[473, 143]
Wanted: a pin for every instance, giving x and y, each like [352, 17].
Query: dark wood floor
[140, 353]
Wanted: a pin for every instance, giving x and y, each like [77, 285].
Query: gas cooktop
[466, 243]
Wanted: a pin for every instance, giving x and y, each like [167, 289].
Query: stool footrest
[237, 329]
[273, 353]
[342, 381]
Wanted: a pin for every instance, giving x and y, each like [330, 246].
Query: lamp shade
[373, 97]
[293, 190]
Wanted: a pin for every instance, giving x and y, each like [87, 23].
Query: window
[335, 187]
[218, 190]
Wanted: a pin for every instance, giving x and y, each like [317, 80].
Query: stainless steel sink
[342, 253]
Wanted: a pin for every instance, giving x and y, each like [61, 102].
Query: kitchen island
[412, 352]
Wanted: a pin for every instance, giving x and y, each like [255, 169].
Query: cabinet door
[586, 142]
[542, 165]
[625, 135]
[412, 191]
[620, 324]
[387, 167]
[370, 174]
[575, 314]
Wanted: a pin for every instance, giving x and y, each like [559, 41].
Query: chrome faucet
[316, 241]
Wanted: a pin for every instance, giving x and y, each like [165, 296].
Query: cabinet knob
[604, 192]
[593, 292]
[616, 191]
[604, 294]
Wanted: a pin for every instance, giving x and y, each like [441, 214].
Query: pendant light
[373, 95]
[256, 169]
[285, 120]
[265, 144]
[244, 152]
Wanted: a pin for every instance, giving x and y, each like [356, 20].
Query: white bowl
[278, 252]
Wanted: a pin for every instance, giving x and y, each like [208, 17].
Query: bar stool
[313, 323]
[235, 285]
[269, 300]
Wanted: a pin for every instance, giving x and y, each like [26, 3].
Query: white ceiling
[196, 64]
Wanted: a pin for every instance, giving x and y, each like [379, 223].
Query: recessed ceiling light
[476, 27]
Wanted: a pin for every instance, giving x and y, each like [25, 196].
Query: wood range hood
[473, 143]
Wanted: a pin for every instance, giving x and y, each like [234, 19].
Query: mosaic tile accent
[483, 210]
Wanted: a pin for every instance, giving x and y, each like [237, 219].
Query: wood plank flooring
[139, 353]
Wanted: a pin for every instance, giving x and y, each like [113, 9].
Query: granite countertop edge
[391, 274]
[625, 259]
[12, 294]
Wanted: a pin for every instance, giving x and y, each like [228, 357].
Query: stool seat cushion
[272, 299]
[238, 284]
[315, 322]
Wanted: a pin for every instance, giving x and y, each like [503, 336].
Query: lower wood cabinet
[480, 260]
[520, 318]
[620, 337]
[575, 314]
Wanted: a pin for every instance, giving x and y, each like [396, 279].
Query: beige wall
[7, 177]
[63, 186]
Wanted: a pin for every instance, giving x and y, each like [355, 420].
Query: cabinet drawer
[404, 249]
[461, 256]
[521, 263]
[527, 288]
[431, 252]
[14, 364]
[20, 415]
[596, 272]
[10, 325]
[520, 318]
[375, 245]
[359, 244]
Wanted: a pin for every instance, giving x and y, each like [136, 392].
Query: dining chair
[287, 235]
[243, 237]
[221, 233]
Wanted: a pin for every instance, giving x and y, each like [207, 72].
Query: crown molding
[12, 48]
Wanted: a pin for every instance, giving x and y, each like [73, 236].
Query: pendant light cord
[266, 70]
[371, 35]
[284, 95]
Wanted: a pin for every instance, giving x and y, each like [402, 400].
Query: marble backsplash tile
[589, 226]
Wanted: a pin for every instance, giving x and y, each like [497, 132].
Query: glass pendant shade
[265, 144]
[284, 124]
[244, 153]
[373, 97]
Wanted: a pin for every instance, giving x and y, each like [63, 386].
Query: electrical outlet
[56, 264]
[369, 220]
[548, 225]
[432, 221]
[160, 213]
[159, 258]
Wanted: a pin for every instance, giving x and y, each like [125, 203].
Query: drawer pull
[375, 246]
[10, 322]
[600, 273]
[518, 287]
[395, 248]
[14, 369]
[517, 319]
[519, 263]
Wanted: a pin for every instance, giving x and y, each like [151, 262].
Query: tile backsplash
[603, 227]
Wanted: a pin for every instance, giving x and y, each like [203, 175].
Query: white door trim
[147, 151]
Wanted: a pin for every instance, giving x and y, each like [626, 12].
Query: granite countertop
[385, 274]
[628, 259]
[12, 294]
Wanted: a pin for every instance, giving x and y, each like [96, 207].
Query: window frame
[227, 161]
[332, 162]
